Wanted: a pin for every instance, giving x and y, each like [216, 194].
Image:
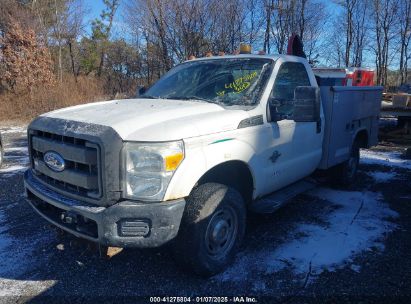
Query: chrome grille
[81, 176]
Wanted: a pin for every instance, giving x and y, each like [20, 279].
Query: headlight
[148, 168]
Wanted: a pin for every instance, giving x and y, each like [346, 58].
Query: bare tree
[269, 8]
[312, 20]
[349, 36]
[102, 29]
[254, 21]
[307, 18]
[283, 25]
[335, 45]
[60, 23]
[353, 22]
[385, 21]
[187, 28]
[404, 15]
[57, 31]
[74, 29]
[192, 27]
[360, 25]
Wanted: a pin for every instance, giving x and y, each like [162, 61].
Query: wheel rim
[221, 232]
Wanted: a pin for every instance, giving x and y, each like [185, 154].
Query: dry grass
[24, 107]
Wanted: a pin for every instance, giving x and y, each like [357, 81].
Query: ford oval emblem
[54, 161]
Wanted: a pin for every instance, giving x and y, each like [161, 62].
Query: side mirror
[306, 104]
[141, 90]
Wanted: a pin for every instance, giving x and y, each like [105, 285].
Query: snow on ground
[21, 150]
[13, 169]
[11, 288]
[13, 129]
[15, 260]
[15, 157]
[382, 177]
[391, 159]
[5, 243]
[356, 223]
[388, 121]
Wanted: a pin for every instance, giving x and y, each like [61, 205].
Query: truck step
[273, 201]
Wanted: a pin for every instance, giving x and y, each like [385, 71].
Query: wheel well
[362, 139]
[235, 174]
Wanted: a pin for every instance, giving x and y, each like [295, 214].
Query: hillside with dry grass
[27, 105]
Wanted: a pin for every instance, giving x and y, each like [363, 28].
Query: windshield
[228, 82]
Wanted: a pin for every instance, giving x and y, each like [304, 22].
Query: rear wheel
[346, 172]
[211, 230]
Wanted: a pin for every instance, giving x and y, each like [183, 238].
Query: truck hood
[155, 119]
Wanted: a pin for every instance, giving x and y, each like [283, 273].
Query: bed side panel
[348, 111]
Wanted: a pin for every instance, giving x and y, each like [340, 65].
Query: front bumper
[124, 224]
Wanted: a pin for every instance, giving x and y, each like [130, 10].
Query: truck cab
[184, 162]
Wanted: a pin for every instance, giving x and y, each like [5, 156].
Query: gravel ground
[328, 245]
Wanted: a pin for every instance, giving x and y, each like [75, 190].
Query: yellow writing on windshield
[242, 83]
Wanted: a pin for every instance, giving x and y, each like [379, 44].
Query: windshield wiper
[148, 97]
[190, 98]
[198, 98]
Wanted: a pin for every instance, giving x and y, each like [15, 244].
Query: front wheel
[211, 230]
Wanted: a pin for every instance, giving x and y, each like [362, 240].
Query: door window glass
[290, 76]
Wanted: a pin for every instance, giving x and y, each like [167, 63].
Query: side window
[290, 76]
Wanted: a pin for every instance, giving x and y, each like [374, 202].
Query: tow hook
[68, 217]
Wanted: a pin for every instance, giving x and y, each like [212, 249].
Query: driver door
[294, 149]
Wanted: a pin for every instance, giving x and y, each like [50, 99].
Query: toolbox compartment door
[347, 111]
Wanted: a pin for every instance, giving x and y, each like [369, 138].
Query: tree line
[42, 42]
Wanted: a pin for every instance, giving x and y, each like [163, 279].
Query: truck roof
[272, 57]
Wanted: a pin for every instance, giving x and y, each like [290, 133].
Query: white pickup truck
[183, 164]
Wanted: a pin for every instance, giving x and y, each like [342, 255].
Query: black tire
[345, 173]
[211, 230]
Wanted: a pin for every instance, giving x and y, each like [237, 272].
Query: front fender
[203, 155]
